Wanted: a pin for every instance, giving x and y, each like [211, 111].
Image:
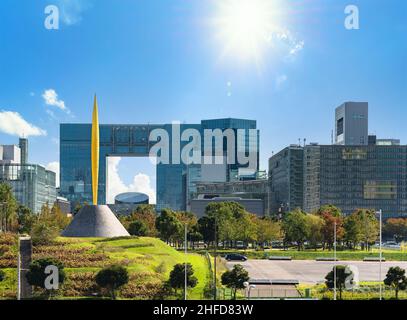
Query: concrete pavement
[311, 271]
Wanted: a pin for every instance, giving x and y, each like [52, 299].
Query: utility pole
[335, 260]
[186, 264]
[216, 246]
[380, 254]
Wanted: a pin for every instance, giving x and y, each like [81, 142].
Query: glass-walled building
[352, 177]
[33, 186]
[286, 179]
[133, 141]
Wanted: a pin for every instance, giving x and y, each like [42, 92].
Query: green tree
[368, 226]
[331, 218]
[396, 228]
[235, 278]
[353, 234]
[296, 227]
[60, 219]
[315, 226]
[36, 274]
[48, 225]
[8, 207]
[177, 277]
[268, 230]
[44, 232]
[138, 228]
[112, 278]
[396, 279]
[25, 218]
[144, 213]
[344, 277]
[224, 213]
[169, 226]
[206, 227]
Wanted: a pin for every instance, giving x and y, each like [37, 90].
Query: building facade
[134, 141]
[246, 189]
[32, 184]
[359, 171]
[352, 177]
[286, 179]
[351, 123]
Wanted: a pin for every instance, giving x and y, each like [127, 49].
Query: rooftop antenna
[299, 142]
[305, 141]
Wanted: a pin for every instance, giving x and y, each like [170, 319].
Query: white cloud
[71, 10]
[14, 124]
[280, 80]
[297, 47]
[51, 99]
[141, 183]
[290, 43]
[54, 166]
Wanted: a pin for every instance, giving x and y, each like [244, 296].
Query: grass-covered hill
[149, 261]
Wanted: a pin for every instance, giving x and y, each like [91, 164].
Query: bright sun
[244, 27]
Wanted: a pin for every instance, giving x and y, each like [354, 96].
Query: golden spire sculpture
[95, 152]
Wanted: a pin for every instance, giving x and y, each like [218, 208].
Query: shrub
[138, 228]
[44, 233]
[112, 278]
[36, 275]
[177, 276]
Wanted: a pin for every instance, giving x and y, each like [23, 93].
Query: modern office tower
[286, 179]
[351, 124]
[133, 141]
[9, 154]
[246, 189]
[352, 177]
[33, 185]
[360, 171]
[23, 145]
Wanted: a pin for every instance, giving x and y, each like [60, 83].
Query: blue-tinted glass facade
[132, 140]
[33, 186]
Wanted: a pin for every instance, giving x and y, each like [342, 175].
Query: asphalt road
[310, 271]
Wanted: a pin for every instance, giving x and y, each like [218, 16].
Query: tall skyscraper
[23, 145]
[351, 124]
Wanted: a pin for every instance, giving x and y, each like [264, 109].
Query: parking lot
[310, 271]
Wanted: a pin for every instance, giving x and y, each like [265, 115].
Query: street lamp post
[216, 246]
[249, 287]
[335, 260]
[380, 254]
[186, 264]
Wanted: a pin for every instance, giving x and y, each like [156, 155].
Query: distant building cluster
[356, 170]
[32, 184]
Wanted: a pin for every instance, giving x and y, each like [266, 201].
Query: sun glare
[244, 27]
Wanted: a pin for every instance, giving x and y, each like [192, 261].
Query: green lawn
[356, 255]
[365, 291]
[149, 261]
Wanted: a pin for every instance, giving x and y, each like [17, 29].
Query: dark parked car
[235, 257]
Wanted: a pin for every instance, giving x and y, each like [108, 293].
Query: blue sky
[159, 60]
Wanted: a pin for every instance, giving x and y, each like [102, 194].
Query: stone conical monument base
[95, 221]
